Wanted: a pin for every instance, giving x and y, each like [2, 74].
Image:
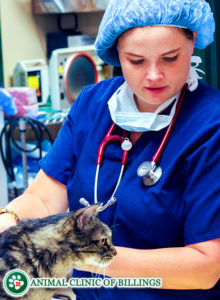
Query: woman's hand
[6, 221]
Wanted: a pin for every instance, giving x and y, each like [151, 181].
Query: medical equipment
[7, 105]
[149, 170]
[9, 143]
[126, 145]
[70, 70]
[34, 74]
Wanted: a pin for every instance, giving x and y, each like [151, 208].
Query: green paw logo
[16, 283]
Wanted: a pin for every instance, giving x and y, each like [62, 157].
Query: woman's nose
[154, 73]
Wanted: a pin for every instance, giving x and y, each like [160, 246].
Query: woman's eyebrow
[170, 52]
[166, 53]
[133, 54]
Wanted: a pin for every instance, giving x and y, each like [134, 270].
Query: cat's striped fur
[52, 246]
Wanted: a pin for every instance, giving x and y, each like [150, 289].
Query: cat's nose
[114, 251]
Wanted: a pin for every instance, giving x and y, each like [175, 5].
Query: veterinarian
[169, 229]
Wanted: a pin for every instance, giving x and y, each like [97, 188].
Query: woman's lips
[155, 90]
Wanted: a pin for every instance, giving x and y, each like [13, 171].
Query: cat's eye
[95, 242]
[103, 242]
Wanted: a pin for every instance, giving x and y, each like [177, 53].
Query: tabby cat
[50, 247]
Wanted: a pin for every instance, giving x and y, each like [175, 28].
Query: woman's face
[155, 61]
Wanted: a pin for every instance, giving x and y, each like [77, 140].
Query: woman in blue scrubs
[170, 230]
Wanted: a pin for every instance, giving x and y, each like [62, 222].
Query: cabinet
[67, 6]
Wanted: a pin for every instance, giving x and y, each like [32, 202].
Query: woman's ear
[194, 40]
[194, 37]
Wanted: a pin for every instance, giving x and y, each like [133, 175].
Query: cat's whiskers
[93, 271]
[97, 273]
[113, 226]
[100, 271]
[104, 271]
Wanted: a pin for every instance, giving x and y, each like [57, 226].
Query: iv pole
[3, 175]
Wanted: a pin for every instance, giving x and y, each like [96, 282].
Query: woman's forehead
[156, 30]
[161, 37]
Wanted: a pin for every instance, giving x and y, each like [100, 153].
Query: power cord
[7, 138]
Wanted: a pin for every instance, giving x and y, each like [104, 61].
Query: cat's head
[92, 239]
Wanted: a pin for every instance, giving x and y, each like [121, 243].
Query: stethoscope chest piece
[150, 172]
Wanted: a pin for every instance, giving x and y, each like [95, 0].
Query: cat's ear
[87, 215]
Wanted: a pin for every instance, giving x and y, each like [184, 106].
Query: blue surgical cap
[121, 15]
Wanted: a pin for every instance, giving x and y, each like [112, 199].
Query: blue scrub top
[181, 209]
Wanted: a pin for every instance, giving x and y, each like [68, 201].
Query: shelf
[43, 7]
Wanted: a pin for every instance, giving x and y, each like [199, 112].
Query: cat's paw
[16, 282]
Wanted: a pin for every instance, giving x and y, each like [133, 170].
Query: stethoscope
[150, 171]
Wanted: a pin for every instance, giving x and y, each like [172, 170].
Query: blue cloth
[7, 102]
[184, 206]
[122, 15]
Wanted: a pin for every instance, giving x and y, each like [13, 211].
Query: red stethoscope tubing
[159, 151]
[112, 138]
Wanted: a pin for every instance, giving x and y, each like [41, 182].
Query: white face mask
[124, 112]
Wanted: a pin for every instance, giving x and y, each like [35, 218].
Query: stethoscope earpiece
[84, 202]
[150, 172]
[111, 201]
[101, 207]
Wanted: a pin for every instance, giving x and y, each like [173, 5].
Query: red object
[159, 152]
[112, 138]
[18, 283]
[68, 68]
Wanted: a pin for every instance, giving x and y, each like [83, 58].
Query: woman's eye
[137, 62]
[170, 59]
